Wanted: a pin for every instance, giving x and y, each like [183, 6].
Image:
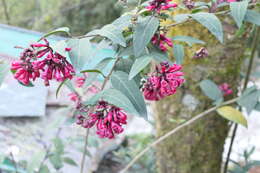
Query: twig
[87, 132]
[173, 131]
[85, 152]
[248, 73]
[15, 166]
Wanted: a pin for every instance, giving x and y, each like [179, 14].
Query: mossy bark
[199, 147]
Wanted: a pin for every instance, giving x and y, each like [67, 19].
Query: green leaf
[79, 54]
[44, 169]
[158, 55]
[100, 66]
[35, 161]
[232, 114]
[29, 85]
[119, 81]
[69, 84]
[123, 21]
[139, 64]
[211, 90]
[124, 65]
[238, 11]
[59, 87]
[114, 97]
[70, 161]
[211, 22]
[249, 99]
[253, 17]
[56, 161]
[143, 33]
[178, 53]
[189, 40]
[181, 17]
[60, 47]
[113, 33]
[59, 146]
[93, 71]
[65, 30]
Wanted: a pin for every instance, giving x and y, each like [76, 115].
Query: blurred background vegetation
[79, 15]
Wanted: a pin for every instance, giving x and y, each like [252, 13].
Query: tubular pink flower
[164, 82]
[159, 5]
[161, 41]
[107, 118]
[51, 65]
[226, 90]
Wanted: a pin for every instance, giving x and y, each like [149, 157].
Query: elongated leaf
[117, 98]
[114, 97]
[189, 40]
[56, 161]
[211, 22]
[44, 169]
[143, 33]
[253, 17]
[238, 11]
[181, 17]
[211, 90]
[35, 161]
[120, 82]
[79, 54]
[139, 65]
[100, 66]
[70, 161]
[59, 87]
[232, 114]
[111, 32]
[60, 47]
[93, 71]
[178, 53]
[158, 55]
[249, 99]
[123, 21]
[65, 30]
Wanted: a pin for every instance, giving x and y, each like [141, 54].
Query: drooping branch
[175, 130]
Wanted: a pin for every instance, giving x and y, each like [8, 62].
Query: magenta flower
[80, 81]
[39, 60]
[158, 5]
[74, 97]
[164, 82]
[107, 118]
[226, 90]
[161, 41]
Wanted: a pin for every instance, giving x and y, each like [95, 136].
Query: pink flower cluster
[39, 60]
[164, 82]
[107, 118]
[161, 41]
[226, 90]
[159, 5]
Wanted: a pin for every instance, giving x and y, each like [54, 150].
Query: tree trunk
[199, 147]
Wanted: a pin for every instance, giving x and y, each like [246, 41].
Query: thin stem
[85, 152]
[248, 73]
[87, 132]
[173, 131]
[15, 166]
